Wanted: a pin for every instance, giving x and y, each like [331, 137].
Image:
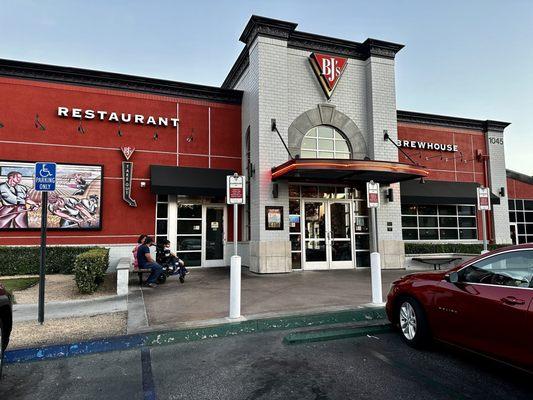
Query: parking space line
[147, 376]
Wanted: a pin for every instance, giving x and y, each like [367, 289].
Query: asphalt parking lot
[261, 366]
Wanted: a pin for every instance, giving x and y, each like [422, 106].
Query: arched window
[325, 142]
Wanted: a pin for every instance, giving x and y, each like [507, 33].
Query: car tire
[2, 345]
[412, 322]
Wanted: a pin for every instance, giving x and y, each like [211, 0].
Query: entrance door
[214, 236]
[327, 234]
[315, 249]
[340, 235]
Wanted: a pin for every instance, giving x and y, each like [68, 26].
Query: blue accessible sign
[45, 177]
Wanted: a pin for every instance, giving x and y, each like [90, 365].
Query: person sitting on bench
[140, 242]
[146, 261]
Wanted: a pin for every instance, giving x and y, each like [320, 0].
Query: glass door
[314, 229]
[214, 235]
[339, 235]
[189, 234]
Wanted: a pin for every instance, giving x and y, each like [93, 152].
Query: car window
[508, 269]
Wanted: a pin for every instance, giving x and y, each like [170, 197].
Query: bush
[454, 248]
[89, 269]
[25, 260]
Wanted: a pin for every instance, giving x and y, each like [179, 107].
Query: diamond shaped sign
[328, 69]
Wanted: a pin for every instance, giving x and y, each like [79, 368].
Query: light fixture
[190, 138]
[1, 125]
[81, 129]
[389, 195]
[119, 132]
[502, 192]
[156, 135]
[39, 124]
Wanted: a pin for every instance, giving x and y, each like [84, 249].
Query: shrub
[25, 260]
[454, 248]
[89, 269]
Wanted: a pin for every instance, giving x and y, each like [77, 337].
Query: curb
[127, 342]
[335, 334]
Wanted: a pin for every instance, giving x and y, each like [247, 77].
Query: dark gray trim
[519, 176]
[110, 80]
[441, 192]
[284, 30]
[237, 70]
[451, 122]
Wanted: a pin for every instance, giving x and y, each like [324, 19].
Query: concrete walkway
[74, 308]
[204, 297]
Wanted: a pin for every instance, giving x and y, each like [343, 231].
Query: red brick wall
[519, 190]
[215, 129]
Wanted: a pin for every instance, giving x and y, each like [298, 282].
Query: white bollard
[375, 271]
[123, 276]
[235, 288]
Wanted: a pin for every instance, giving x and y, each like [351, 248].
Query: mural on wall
[75, 204]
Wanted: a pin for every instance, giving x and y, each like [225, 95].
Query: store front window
[325, 142]
[521, 219]
[328, 227]
[439, 222]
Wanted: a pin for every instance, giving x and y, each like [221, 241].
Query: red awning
[346, 171]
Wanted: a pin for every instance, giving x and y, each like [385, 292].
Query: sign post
[45, 181]
[372, 200]
[483, 204]
[236, 188]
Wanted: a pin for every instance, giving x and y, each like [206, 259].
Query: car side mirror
[452, 277]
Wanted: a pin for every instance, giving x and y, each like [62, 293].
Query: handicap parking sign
[45, 177]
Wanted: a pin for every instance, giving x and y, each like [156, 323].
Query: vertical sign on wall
[127, 175]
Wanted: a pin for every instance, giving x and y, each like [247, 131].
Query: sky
[469, 58]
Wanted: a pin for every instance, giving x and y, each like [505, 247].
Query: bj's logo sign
[328, 69]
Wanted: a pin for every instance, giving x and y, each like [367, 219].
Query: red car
[484, 304]
[6, 322]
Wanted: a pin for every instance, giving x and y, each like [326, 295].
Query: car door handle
[512, 300]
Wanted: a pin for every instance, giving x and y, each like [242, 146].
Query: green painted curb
[263, 325]
[334, 334]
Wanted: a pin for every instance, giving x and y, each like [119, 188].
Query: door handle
[511, 300]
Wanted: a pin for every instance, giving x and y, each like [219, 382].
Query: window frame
[334, 139]
[472, 262]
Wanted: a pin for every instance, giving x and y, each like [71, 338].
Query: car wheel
[413, 323]
[2, 339]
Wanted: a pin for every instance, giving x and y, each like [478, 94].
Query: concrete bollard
[123, 276]
[235, 288]
[375, 271]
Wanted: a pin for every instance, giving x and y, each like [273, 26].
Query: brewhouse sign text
[113, 116]
[415, 144]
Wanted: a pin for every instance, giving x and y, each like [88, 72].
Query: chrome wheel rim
[408, 320]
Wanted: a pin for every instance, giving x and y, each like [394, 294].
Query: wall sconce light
[275, 191]
[190, 138]
[143, 184]
[1, 125]
[119, 132]
[81, 129]
[39, 124]
[156, 135]
[389, 195]
[501, 192]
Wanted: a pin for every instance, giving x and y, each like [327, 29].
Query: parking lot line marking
[147, 376]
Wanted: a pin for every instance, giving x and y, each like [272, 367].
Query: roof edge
[451, 122]
[519, 176]
[117, 81]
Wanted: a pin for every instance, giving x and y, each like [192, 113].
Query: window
[189, 233]
[161, 219]
[442, 222]
[325, 142]
[508, 269]
[521, 212]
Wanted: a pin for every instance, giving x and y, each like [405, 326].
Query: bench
[436, 261]
[124, 267]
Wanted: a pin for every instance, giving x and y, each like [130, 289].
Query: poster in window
[75, 204]
[273, 218]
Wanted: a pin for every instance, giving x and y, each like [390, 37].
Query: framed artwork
[274, 218]
[75, 204]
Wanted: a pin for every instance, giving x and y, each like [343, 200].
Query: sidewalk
[204, 298]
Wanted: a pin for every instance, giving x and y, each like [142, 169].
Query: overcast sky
[464, 58]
